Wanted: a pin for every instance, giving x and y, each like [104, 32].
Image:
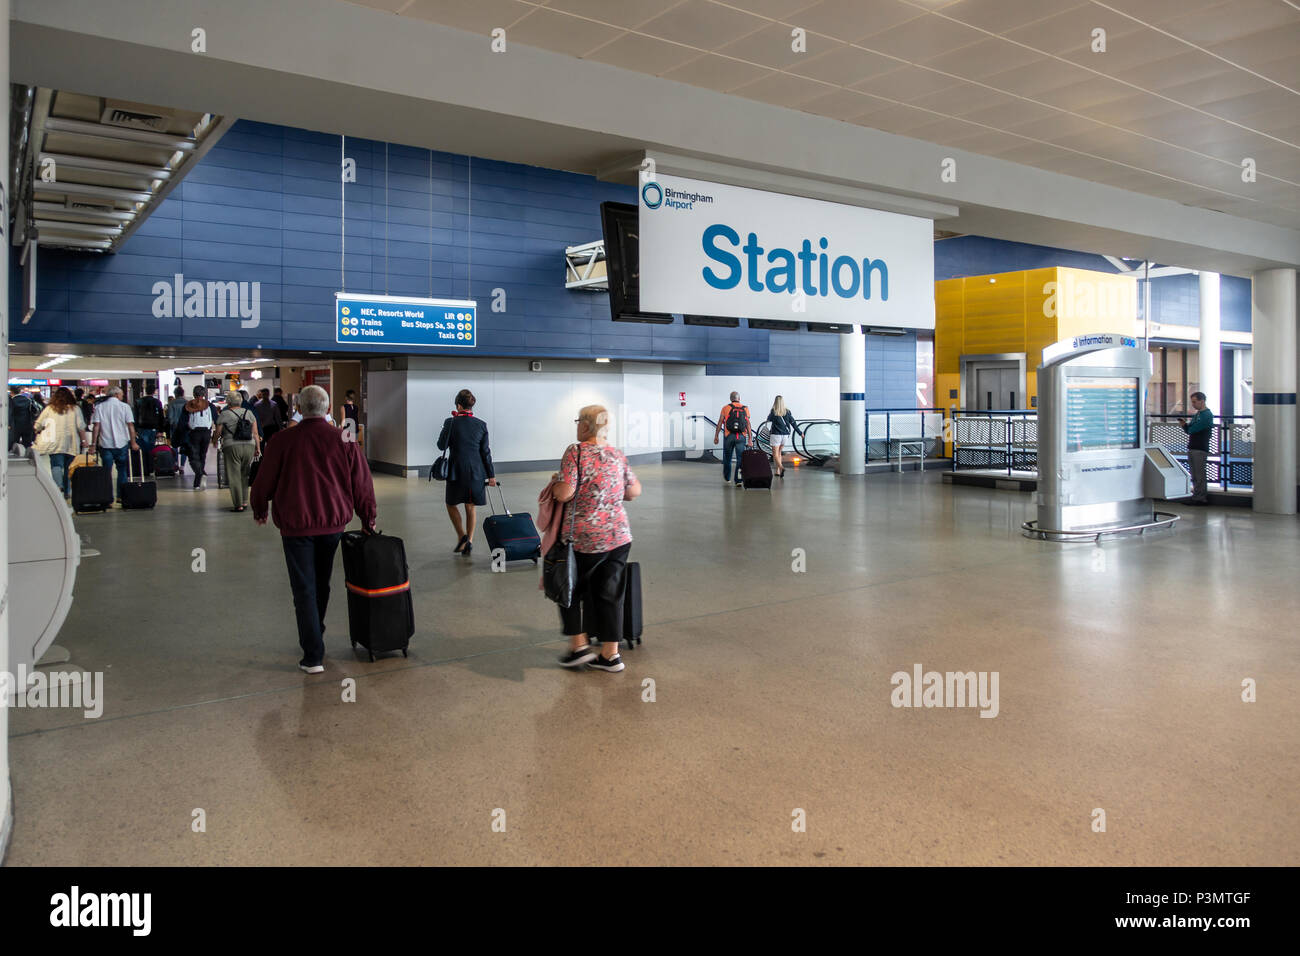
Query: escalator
[814, 442]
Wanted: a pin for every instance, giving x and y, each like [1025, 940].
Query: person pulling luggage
[595, 479]
[469, 468]
[316, 480]
[734, 419]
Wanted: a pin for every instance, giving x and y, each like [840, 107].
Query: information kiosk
[1096, 475]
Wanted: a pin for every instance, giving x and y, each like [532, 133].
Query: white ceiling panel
[632, 51]
[999, 16]
[716, 73]
[906, 84]
[701, 24]
[782, 89]
[478, 16]
[1184, 89]
[561, 33]
[771, 45]
[844, 65]
[851, 19]
[922, 38]
[621, 13]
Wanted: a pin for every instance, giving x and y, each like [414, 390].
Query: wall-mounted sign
[710, 249]
[399, 320]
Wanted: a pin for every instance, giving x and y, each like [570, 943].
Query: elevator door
[996, 387]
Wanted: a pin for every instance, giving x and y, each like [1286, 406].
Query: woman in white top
[61, 434]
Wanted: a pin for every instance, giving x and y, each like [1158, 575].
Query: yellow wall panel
[1088, 301]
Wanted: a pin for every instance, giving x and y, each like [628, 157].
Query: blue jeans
[310, 559]
[59, 471]
[736, 444]
[107, 456]
[145, 437]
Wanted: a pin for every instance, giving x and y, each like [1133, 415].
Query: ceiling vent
[118, 115]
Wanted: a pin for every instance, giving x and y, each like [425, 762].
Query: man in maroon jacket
[317, 480]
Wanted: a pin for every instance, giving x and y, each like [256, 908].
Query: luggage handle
[505, 507]
[130, 465]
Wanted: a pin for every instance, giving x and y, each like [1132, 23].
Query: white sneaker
[313, 669]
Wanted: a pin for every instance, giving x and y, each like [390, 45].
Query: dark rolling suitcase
[632, 604]
[92, 487]
[516, 534]
[756, 469]
[164, 461]
[138, 491]
[380, 614]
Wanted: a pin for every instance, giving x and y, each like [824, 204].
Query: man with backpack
[149, 418]
[734, 420]
[22, 417]
[236, 427]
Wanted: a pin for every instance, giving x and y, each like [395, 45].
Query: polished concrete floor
[1120, 689]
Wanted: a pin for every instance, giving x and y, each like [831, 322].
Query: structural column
[1211, 350]
[853, 403]
[1273, 322]
[6, 803]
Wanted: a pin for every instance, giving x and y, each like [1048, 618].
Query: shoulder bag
[560, 567]
[438, 471]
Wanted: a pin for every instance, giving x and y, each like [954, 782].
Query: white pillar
[1211, 354]
[6, 803]
[853, 403]
[1273, 321]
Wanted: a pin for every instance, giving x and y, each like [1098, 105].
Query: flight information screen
[1100, 413]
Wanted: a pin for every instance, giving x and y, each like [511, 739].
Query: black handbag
[438, 471]
[560, 566]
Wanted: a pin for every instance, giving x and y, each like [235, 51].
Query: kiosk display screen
[1100, 413]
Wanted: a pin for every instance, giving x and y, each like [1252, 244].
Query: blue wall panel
[264, 205]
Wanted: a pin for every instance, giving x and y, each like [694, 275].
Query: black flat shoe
[469, 546]
[464, 539]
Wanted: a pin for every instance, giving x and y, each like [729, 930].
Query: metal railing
[995, 440]
[1231, 462]
[894, 433]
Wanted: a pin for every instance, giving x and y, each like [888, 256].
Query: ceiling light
[603, 360]
[257, 373]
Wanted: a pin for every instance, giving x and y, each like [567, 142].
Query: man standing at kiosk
[1198, 446]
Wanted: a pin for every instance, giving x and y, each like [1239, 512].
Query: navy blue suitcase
[516, 534]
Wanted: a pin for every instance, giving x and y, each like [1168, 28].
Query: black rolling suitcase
[92, 487]
[632, 604]
[516, 534]
[755, 469]
[138, 491]
[380, 615]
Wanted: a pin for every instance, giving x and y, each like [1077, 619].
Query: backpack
[737, 420]
[22, 414]
[148, 413]
[244, 430]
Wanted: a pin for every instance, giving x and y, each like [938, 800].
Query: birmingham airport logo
[77, 690]
[951, 689]
[212, 300]
[654, 196]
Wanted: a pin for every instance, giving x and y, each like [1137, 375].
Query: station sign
[401, 320]
[712, 249]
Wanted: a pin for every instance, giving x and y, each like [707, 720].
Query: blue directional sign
[399, 320]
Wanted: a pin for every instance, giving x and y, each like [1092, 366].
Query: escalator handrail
[800, 429]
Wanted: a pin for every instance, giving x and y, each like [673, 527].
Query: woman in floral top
[600, 475]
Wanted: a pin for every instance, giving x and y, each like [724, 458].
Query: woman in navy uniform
[469, 467]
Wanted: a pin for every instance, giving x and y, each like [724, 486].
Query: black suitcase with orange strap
[381, 617]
